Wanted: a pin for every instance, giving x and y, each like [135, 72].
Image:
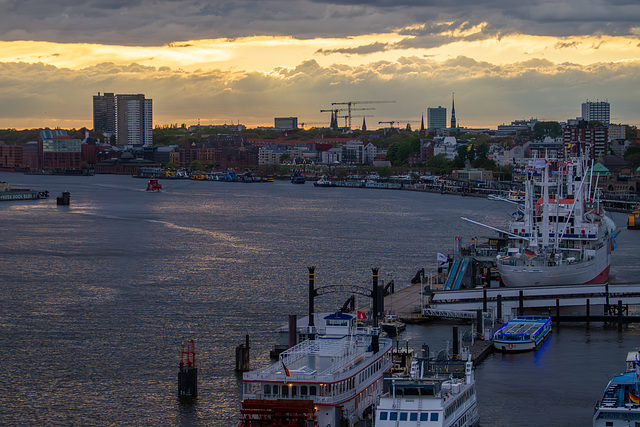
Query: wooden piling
[619, 315]
[521, 303]
[588, 308]
[558, 311]
[242, 356]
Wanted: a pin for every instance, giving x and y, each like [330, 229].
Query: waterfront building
[353, 153]
[58, 150]
[596, 111]
[332, 156]
[10, 155]
[369, 153]
[437, 118]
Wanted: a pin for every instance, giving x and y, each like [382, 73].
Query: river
[98, 296]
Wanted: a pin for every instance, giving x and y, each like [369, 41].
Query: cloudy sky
[223, 61]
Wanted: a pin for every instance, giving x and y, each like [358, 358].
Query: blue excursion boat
[522, 333]
[620, 403]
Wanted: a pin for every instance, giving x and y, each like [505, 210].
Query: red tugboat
[154, 185]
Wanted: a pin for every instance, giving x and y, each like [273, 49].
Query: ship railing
[321, 400]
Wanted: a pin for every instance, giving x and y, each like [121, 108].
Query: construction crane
[390, 123]
[334, 115]
[350, 103]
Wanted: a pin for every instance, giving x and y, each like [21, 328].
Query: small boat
[297, 179]
[522, 333]
[64, 199]
[392, 325]
[429, 398]
[633, 219]
[324, 182]
[153, 185]
[620, 403]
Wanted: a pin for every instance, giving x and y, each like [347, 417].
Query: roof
[339, 315]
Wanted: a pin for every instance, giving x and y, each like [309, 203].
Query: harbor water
[98, 296]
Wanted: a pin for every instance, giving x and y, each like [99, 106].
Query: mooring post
[521, 303]
[499, 307]
[619, 315]
[588, 313]
[479, 322]
[484, 300]
[558, 311]
[242, 356]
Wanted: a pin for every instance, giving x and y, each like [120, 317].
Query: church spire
[364, 125]
[453, 112]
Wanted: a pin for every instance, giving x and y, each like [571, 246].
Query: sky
[249, 61]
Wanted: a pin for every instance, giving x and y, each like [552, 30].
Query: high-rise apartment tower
[596, 111]
[129, 117]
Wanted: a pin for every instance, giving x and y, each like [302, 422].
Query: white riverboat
[620, 403]
[334, 379]
[562, 237]
[523, 333]
[428, 398]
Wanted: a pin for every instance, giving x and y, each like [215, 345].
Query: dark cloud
[360, 50]
[427, 22]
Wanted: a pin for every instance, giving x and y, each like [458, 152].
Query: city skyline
[223, 62]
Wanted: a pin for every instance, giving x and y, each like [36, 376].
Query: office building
[436, 118]
[596, 111]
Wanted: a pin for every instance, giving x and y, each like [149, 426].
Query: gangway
[460, 274]
[452, 314]
[452, 275]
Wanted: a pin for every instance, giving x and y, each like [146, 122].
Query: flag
[442, 257]
[633, 398]
[286, 371]
[529, 253]
[360, 315]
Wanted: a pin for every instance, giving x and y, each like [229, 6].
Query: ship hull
[593, 271]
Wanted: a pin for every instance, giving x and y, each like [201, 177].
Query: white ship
[332, 380]
[562, 237]
[429, 399]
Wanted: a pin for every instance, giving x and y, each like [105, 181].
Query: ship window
[403, 416]
[393, 416]
[312, 390]
[424, 416]
[434, 416]
[267, 389]
[413, 416]
[285, 390]
[303, 390]
[383, 416]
